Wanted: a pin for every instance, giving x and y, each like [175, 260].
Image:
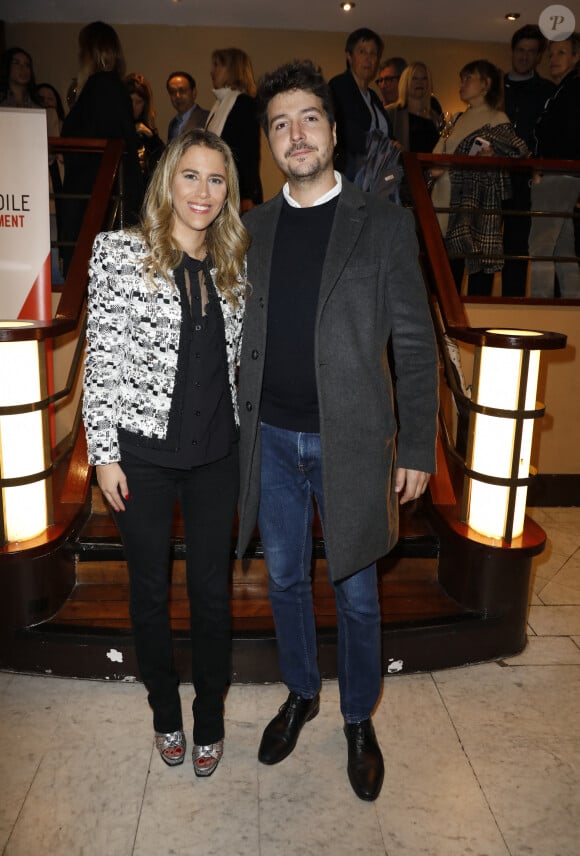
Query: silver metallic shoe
[213, 753]
[171, 747]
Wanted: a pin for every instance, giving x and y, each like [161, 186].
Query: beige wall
[156, 51]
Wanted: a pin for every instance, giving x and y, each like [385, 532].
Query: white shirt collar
[326, 197]
[513, 75]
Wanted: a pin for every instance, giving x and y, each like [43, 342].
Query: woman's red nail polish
[127, 496]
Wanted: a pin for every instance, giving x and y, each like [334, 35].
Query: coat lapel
[350, 217]
[262, 228]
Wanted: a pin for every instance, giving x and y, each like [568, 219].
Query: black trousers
[207, 495]
[516, 231]
[479, 284]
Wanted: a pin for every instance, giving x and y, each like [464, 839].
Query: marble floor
[482, 760]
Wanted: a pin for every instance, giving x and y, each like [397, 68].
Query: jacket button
[249, 406]
[255, 354]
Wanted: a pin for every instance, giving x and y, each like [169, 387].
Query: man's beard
[301, 171]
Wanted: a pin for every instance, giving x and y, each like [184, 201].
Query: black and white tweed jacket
[133, 333]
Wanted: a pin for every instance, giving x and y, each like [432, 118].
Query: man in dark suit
[183, 92]
[358, 109]
[334, 277]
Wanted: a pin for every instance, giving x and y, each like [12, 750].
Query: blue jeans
[291, 475]
[554, 236]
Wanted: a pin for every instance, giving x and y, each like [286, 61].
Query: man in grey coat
[334, 276]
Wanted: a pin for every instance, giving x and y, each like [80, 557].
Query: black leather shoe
[281, 734]
[366, 769]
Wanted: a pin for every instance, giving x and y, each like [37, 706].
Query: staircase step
[95, 618]
[102, 560]
[408, 591]
[100, 554]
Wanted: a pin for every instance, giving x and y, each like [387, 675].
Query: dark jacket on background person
[151, 147]
[414, 133]
[557, 131]
[197, 119]
[353, 120]
[524, 101]
[242, 134]
[102, 110]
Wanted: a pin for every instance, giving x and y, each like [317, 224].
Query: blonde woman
[233, 117]
[414, 121]
[165, 317]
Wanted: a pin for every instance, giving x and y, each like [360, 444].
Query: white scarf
[220, 111]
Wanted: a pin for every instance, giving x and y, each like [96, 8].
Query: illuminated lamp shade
[504, 379]
[24, 507]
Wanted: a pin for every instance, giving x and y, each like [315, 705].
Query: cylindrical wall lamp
[23, 438]
[503, 407]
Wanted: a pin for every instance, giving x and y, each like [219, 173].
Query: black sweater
[524, 102]
[557, 131]
[289, 397]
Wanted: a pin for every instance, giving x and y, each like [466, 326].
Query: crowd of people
[324, 280]
[542, 114]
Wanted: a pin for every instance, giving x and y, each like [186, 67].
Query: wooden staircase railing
[451, 320]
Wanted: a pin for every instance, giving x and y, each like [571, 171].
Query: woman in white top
[472, 229]
[233, 118]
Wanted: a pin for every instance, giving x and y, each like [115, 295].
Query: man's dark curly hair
[298, 74]
[529, 31]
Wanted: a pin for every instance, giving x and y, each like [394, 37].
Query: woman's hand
[113, 483]
[143, 129]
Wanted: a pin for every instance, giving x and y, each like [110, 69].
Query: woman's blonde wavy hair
[227, 240]
[238, 66]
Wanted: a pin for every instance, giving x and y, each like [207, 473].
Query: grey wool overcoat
[371, 291]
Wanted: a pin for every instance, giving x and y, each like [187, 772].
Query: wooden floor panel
[108, 606]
